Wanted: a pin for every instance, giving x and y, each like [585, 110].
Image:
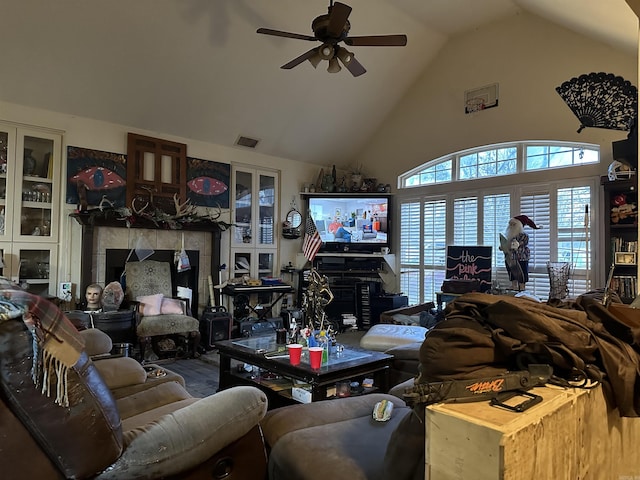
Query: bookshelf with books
[621, 235]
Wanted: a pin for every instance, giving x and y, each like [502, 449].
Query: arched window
[467, 198]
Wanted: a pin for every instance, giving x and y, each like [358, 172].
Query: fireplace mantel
[88, 219]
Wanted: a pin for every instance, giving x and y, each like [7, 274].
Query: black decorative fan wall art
[601, 100]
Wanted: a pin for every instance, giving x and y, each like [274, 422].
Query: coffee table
[278, 376]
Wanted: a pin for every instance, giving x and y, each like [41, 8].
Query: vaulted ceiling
[198, 69]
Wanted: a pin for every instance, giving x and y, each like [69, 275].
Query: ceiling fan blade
[349, 60]
[377, 41]
[297, 61]
[279, 33]
[338, 19]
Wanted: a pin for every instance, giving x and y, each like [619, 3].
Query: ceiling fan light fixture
[334, 66]
[326, 51]
[344, 55]
[315, 60]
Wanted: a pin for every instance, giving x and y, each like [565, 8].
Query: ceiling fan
[331, 29]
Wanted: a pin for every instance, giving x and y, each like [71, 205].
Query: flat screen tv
[356, 223]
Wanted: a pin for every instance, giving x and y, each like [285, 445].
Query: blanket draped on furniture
[485, 335]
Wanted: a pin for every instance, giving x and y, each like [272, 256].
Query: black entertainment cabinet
[356, 281]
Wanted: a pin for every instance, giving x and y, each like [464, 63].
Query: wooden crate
[570, 435]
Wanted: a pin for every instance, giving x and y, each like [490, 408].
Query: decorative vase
[29, 164]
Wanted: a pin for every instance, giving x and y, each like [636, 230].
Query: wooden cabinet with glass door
[30, 162]
[254, 241]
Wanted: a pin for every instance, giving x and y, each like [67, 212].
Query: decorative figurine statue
[515, 246]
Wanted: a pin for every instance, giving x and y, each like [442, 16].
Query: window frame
[521, 162]
[518, 186]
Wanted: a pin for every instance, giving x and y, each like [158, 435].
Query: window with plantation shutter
[410, 233]
[434, 246]
[436, 216]
[573, 235]
[536, 206]
[410, 252]
[496, 215]
[465, 221]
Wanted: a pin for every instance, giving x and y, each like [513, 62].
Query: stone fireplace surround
[98, 239]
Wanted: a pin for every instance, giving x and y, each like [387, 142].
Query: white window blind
[496, 215]
[434, 246]
[410, 233]
[435, 232]
[465, 221]
[573, 235]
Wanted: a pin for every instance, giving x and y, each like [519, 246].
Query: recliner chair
[70, 424]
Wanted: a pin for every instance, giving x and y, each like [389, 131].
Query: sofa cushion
[96, 342]
[151, 398]
[188, 436]
[150, 326]
[326, 439]
[172, 306]
[118, 372]
[150, 304]
[383, 336]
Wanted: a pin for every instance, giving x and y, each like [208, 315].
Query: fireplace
[107, 244]
[115, 260]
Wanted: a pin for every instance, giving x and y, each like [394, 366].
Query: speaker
[215, 325]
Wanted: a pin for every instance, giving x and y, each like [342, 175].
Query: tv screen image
[351, 223]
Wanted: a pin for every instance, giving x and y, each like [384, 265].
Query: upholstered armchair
[149, 288]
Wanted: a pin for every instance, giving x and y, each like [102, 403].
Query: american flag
[312, 240]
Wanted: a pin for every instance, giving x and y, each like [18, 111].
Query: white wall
[87, 133]
[528, 57]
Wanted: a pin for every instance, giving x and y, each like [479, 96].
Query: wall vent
[246, 142]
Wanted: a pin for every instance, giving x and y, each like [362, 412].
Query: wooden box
[570, 435]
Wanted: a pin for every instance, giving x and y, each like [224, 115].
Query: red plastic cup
[315, 357]
[295, 351]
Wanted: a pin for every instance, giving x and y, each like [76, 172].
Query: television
[352, 223]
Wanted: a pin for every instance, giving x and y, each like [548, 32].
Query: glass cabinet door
[7, 168]
[37, 270]
[267, 197]
[243, 206]
[33, 267]
[34, 216]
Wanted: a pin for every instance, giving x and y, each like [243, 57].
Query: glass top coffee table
[283, 381]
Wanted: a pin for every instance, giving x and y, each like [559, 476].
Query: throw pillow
[151, 304]
[171, 306]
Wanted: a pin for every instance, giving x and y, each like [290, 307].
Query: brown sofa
[106, 419]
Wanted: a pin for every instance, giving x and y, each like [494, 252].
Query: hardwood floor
[202, 374]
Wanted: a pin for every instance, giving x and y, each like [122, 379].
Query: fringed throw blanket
[56, 343]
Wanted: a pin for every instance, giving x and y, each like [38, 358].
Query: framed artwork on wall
[94, 175]
[208, 183]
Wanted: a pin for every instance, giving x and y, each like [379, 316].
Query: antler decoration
[136, 210]
[183, 209]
